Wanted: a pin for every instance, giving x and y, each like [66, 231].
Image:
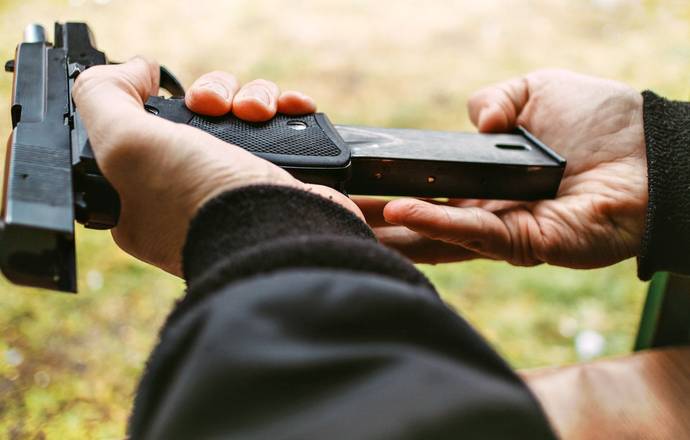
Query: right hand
[164, 172]
[596, 219]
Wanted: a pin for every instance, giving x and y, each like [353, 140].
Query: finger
[124, 87]
[421, 249]
[133, 81]
[212, 93]
[488, 204]
[256, 101]
[295, 103]
[143, 74]
[496, 108]
[372, 208]
[473, 228]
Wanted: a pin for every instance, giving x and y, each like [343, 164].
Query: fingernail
[216, 88]
[258, 93]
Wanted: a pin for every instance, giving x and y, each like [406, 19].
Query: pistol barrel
[34, 33]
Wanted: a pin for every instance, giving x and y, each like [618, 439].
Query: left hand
[598, 215]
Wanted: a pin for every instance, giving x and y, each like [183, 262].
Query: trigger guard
[169, 82]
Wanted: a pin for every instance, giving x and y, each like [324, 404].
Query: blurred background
[69, 364]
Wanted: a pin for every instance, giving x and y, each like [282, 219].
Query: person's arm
[297, 324]
[666, 239]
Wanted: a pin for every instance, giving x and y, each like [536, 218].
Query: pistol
[52, 178]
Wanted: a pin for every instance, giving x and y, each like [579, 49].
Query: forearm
[303, 326]
[666, 241]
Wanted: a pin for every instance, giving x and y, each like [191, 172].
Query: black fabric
[666, 242]
[297, 324]
[280, 210]
[270, 227]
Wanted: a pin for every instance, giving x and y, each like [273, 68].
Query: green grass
[532, 314]
[69, 364]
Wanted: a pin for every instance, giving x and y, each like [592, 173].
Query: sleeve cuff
[246, 217]
[666, 241]
[259, 229]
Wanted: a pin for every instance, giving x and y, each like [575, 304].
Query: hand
[598, 216]
[162, 171]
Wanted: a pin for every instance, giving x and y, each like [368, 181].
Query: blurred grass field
[69, 364]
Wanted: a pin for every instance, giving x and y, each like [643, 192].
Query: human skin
[597, 217]
[163, 171]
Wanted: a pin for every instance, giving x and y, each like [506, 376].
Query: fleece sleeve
[666, 241]
[297, 324]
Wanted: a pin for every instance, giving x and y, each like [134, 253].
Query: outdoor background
[69, 364]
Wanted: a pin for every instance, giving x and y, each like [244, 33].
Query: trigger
[170, 83]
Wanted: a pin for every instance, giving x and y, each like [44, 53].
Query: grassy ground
[69, 364]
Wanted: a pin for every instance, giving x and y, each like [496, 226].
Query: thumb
[110, 100]
[472, 228]
[131, 82]
[496, 108]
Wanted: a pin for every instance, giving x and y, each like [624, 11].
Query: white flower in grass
[13, 357]
[94, 279]
[589, 344]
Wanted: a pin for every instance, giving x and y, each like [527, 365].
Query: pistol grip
[307, 146]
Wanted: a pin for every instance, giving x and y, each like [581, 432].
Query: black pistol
[52, 178]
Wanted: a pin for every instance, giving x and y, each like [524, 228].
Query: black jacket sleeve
[666, 242]
[297, 324]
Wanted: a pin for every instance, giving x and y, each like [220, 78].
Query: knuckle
[417, 211]
[216, 76]
[477, 217]
[269, 85]
[476, 100]
[480, 96]
[98, 76]
[260, 81]
[141, 59]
